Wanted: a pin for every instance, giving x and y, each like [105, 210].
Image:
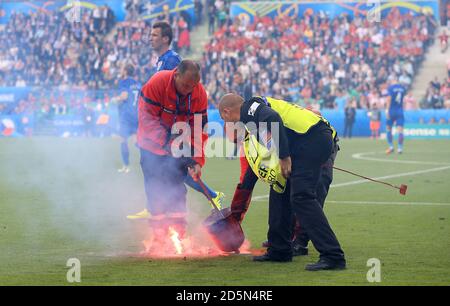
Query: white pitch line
[362, 156]
[390, 176]
[362, 181]
[261, 199]
[257, 198]
[390, 203]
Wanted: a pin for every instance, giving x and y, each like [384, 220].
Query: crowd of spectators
[218, 14]
[68, 55]
[311, 60]
[437, 94]
[46, 104]
[317, 61]
[49, 49]
[86, 109]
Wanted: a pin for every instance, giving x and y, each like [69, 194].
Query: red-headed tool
[402, 187]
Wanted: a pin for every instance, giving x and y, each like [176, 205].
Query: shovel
[224, 229]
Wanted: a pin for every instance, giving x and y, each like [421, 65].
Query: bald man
[304, 143]
[170, 97]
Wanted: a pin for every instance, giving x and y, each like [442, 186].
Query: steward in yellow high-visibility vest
[263, 160]
[286, 146]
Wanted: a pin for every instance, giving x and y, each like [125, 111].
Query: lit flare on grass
[169, 244]
[175, 238]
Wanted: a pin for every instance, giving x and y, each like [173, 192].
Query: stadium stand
[72, 68]
[69, 70]
[45, 49]
[314, 61]
[437, 95]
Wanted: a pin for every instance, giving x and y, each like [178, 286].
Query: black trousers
[323, 186]
[300, 200]
[348, 128]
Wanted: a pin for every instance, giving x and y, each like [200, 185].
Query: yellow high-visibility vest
[297, 118]
[264, 161]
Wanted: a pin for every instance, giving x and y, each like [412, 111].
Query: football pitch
[63, 198]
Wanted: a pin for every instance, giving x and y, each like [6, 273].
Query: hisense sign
[6, 98]
[427, 131]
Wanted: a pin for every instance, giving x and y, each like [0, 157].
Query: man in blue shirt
[129, 89]
[394, 115]
[161, 39]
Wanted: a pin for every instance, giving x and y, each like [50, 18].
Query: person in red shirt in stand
[184, 41]
[168, 98]
[443, 38]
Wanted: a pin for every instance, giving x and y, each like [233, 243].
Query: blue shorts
[127, 128]
[395, 117]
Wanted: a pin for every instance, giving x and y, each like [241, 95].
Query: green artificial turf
[63, 198]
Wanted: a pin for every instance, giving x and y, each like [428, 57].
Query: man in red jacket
[169, 98]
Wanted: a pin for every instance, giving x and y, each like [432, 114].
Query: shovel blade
[225, 231]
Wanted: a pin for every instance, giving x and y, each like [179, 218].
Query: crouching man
[291, 162]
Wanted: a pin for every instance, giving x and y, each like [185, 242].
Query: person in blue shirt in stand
[394, 115]
[161, 39]
[129, 89]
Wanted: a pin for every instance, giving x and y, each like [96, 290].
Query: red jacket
[158, 112]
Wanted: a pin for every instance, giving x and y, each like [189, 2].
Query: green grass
[62, 198]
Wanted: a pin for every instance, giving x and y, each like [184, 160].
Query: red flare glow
[197, 245]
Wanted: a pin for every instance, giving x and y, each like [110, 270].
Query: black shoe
[300, 245]
[323, 264]
[267, 257]
[298, 250]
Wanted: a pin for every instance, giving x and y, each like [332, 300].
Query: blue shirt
[397, 92]
[168, 61]
[341, 102]
[128, 108]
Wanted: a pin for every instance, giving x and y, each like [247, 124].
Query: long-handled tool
[402, 187]
[223, 228]
[208, 196]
